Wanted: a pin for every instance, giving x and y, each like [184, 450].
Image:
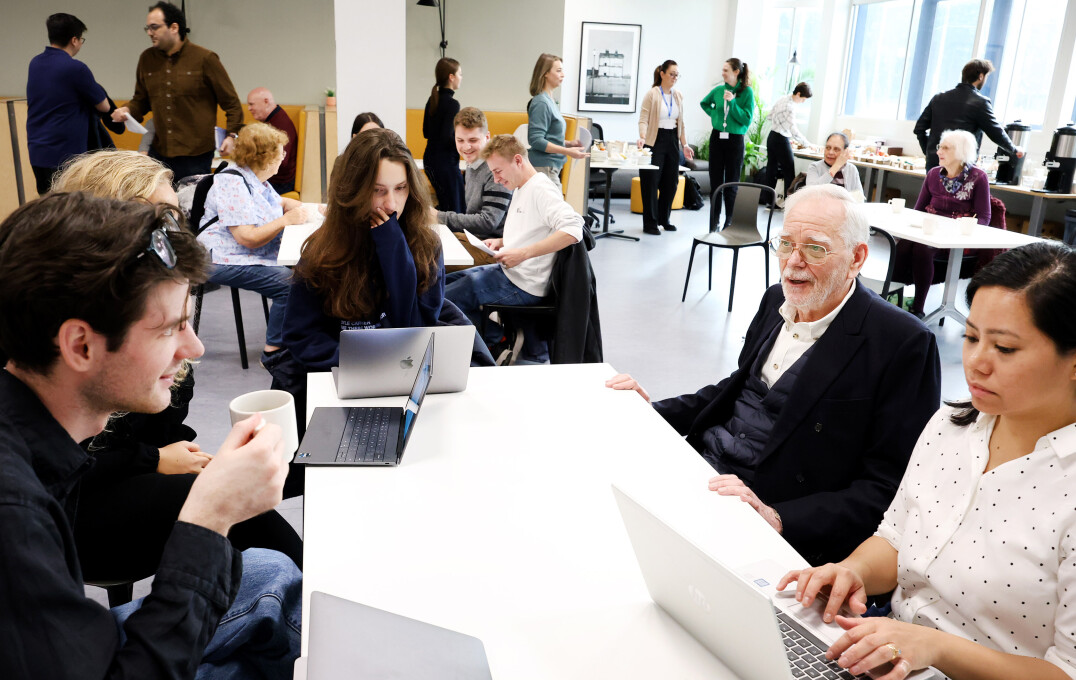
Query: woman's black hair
[1045, 272]
[364, 118]
[745, 76]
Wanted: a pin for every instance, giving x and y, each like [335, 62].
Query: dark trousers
[726, 164]
[121, 527]
[914, 262]
[447, 181]
[780, 164]
[666, 155]
[185, 166]
[44, 178]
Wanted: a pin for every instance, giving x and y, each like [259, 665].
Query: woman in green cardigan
[730, 105]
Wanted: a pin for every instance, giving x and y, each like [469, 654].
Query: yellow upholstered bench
[637, 195]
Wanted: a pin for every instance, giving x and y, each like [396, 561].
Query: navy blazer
[839, 448]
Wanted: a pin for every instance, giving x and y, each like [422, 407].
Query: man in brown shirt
[182, 83]
[263, 107]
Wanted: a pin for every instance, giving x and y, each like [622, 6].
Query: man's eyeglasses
[160, 245]
[812, 252]
[152, 28]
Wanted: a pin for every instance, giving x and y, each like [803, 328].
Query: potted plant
[330, 97]
[754, 155]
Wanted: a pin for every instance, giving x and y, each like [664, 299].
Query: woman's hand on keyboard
[841, 583]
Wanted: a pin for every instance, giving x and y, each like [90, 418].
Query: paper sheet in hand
[219, 135]
[133, 125]
[477, 243]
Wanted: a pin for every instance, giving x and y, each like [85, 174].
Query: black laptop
[365, 435]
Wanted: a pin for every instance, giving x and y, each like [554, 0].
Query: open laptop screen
[418, 392]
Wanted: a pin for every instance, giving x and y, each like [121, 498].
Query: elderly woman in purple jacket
[956, 188]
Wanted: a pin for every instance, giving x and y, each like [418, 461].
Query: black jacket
[961, 108]
[578, 337]
[839, 447]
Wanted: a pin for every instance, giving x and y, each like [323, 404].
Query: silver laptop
[350, 640]
[759, 636]
[382, 362]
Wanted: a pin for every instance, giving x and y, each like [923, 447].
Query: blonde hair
[505, 146]
[541, 68]
[256, 145]
[112, 173]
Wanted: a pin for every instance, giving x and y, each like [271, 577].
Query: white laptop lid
[350, 640]
[383, 362]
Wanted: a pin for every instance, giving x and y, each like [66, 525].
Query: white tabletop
[606, 165]
[500, 523]
[908, 224]
[291, 245]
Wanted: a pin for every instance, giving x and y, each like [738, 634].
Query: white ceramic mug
[967, 225]
[275, 406]
[930, 224]
[897, 204]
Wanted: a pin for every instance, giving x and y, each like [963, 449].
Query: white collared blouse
[990, 556]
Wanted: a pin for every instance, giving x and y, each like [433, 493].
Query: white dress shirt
[795, 338]
[991, 556]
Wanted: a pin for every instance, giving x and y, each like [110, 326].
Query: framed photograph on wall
[609, 67]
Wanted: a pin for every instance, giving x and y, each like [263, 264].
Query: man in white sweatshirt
[539, 223]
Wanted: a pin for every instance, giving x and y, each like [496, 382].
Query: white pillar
[371, 53]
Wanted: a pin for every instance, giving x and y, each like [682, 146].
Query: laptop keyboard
[806, 657]
[365, 437]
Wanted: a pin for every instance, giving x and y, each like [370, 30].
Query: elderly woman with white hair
[956, 188]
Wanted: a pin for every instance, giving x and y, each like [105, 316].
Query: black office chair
[742, 231]
[877, 272]
[199, 291]
[119, 592]
[598, 179]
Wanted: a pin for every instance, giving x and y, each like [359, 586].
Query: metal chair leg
[196, 316]
[732, 285]
[238, 311]
[120, 594]
[265, 308]
[766, 256]
[710, 277]
[687, 278]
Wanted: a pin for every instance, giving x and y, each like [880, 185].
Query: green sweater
[741, 109]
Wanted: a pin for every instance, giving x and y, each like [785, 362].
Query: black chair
[119, 592]
[598, 180]
[199, 291]
[877, 272]
[742, 231]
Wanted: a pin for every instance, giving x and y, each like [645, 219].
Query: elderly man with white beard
[815, 427]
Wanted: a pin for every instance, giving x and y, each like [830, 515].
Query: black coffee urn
[1010, 165]
[1061, 160]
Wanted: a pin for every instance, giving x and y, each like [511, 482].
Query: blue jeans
[258, 637]
[272, 282]
[471, 288]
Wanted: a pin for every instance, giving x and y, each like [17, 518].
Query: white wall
[285, 46]
[371, 58]
[692, 33]
[496, 43]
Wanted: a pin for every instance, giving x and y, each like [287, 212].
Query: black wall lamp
[441, 9]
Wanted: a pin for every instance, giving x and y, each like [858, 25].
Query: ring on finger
[896, 651]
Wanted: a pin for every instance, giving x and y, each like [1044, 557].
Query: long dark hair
[339, 262]
[662, 69]
[745, 76]
[1045, 273]
[445, 67]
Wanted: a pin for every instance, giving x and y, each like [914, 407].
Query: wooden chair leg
[690, 259]
[238, 312]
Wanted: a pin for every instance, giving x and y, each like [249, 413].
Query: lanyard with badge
[668, 102]
[724, 119]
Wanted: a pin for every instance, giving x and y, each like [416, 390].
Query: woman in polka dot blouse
[979, 544]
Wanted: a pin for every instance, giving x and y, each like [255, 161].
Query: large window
[797, 28]
[903, 52]
[879, 54]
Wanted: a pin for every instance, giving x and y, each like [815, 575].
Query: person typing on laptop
[375, 263]
[93, 320]
[815, 426]
[980, 540]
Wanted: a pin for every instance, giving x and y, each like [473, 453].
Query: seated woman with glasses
[956, 188]
[375, 263]
[979, 542]
[145, 464]
[836, 166]
[243, 220]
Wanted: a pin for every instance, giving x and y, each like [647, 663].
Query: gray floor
[669, 346]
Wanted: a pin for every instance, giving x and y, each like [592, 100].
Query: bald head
[260, 103]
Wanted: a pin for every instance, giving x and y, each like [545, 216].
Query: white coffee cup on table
[930, 224]
[276, 407]
[967, 225]
[897, 204]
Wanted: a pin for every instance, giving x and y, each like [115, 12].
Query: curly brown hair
[256, 146]
[339, 262]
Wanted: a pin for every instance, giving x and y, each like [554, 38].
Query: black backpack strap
[200, 194]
